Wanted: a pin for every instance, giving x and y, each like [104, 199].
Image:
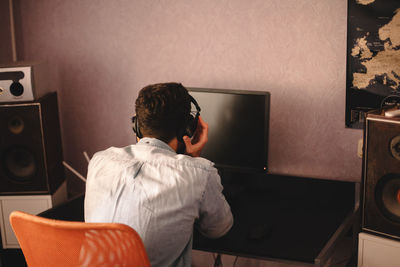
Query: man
[152, 188]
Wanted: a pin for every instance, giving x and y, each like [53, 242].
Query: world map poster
[373, 56]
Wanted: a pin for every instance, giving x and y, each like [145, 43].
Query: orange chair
[49, 242]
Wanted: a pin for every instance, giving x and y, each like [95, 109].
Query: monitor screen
[238, 127]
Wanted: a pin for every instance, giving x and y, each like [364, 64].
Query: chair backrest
[49, 242]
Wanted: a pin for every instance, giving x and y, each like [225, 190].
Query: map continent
[382, 66]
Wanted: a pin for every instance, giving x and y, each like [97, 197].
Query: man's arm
[215, 214]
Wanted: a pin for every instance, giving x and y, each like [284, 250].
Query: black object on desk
[301, 217]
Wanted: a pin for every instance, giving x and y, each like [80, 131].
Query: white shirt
[160, 194]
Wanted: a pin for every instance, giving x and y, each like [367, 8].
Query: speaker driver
[16, 125]
[387, 195]
[395, 147]
[20, 163]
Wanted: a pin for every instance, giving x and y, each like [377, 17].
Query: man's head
[163, 111]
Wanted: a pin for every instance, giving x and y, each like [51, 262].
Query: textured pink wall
[102, 52]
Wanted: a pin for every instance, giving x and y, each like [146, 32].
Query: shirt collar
[148, 141]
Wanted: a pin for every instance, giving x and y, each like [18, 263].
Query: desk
[307, 217]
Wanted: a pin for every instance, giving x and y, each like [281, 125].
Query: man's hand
[199, 140]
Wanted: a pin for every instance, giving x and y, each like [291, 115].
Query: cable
[80, 176]
[12, 30]
[234, 263]
[85, 154]
[218, 262]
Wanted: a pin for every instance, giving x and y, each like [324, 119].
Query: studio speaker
[30, 147]
[381, 175]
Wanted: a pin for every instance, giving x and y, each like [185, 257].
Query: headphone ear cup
[193, 120]
[191, 126]
[135, 127]
[187, 129]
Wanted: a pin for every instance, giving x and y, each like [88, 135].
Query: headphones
[189, 129]
[135, 127]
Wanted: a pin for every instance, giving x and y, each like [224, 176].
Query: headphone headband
[192, 100]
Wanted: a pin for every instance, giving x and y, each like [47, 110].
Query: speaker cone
[395, 147]
[387, 196]
[20, 163]
[16, 125]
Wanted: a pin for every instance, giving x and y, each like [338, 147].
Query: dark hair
[163, 110]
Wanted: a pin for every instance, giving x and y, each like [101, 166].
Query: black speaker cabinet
[30, 147]
[381, 175]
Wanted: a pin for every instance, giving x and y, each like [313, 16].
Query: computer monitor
[238, 123]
